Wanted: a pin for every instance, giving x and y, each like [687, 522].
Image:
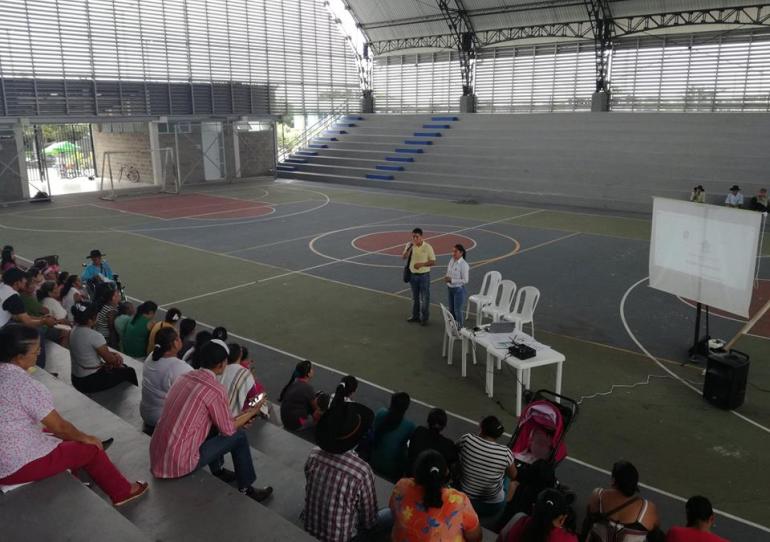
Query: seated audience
[161, 370]
[619, 513]
[98, 270]
[107, 299]
[29, 454]
[340, 498]
[173, 315]
[349, 385]
[486, 468]
[49, 295]
[698, 194]
[734, 197]
[425, 510]
[35, 308]
[430, 438]
[94, 366]
[7, 259]
[72, 292]
[12, 307]
[299, 408]
[183, 440]
[201, 338]
[700, 521]
[219, 333]
[238, 381]
[137, 331]
[760, 201]
[546, 524]
[126, 311]
[187, 334]
[391, 434]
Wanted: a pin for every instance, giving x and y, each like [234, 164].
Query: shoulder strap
[623, 506]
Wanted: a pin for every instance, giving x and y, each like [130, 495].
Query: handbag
[586, 533]
[407, 270]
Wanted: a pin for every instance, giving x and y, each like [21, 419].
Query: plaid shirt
[339, 496]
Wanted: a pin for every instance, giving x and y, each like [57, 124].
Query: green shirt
[389, 455]
[135, 337]
[32, 306]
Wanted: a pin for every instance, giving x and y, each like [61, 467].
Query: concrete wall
[135, 143]
[12, 178]
[257, 152]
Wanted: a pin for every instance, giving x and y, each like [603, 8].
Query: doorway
[212, 148]
[59, 158]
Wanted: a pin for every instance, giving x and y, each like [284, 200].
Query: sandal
[135, 494]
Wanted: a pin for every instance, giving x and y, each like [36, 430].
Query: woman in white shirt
[161, 370]
[49, 294]
[71, 293]
[457, 276]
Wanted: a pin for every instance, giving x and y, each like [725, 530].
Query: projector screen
[705, 253]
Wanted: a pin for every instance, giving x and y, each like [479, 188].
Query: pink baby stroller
[542, 427]
[538, 447]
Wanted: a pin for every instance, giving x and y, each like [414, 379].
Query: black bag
[596, 517]
[407, 271]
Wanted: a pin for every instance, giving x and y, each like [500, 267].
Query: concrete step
[62, 508]
[173, 510]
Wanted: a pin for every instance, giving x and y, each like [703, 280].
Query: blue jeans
[384, 525]
[213, 452]
[457, 297]
[420, 284]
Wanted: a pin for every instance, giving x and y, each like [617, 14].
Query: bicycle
[131, 173]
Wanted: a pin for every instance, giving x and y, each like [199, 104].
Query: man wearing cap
[98, 269]
[12, 307]
[734, 197]
[340, 499]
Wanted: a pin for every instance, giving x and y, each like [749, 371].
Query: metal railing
[310, 133]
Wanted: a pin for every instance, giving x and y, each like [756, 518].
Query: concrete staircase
[613, 161]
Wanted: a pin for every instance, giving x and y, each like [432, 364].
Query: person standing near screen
[734, 197]
[457, 276]
[422, 258]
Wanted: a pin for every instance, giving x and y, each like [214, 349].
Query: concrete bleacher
[614, 161]
[189, 508]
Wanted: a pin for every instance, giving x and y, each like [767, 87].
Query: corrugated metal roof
[385, 20]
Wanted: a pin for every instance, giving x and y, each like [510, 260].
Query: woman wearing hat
[546, 524]
[98, 270]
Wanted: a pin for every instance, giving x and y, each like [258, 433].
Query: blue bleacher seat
[379, 176]
[417, 142]
[414, 151]
[437, 126]
[427, 134]
[444, 118]
[399, 159]
[386, 167]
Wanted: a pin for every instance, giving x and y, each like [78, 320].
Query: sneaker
[140, 489]
[258, 494]
[225, 475]
[412, 320]
[423, 323]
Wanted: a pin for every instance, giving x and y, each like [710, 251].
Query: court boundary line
[669, 371]
[475, 422]
[326, 264]
[363, 253]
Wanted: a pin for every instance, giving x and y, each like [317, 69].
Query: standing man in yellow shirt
[421, 259]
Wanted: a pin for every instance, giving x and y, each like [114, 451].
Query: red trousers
[75, 456]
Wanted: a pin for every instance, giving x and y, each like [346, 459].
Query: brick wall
[257, 153]
[136, 143]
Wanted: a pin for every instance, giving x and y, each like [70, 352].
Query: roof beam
[750, 15]
[465, 40]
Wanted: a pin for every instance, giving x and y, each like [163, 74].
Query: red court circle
[392, 242]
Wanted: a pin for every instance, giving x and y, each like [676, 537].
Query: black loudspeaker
[726, 377]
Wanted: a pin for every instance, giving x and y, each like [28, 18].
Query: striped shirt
[339, 496]
[483, 467]
[103, 320]
[195, 402]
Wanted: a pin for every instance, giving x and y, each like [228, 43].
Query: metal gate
[57, 152]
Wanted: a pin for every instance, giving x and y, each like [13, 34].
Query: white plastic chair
[451, 334]
[523, 311]
[486, 295]
[503, 302]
